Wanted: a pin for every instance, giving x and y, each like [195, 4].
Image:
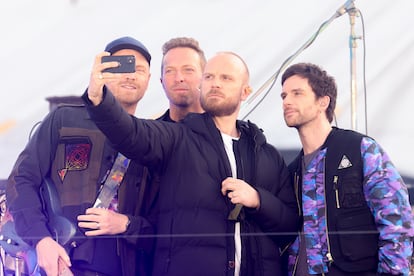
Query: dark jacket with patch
[352, 232]
[69, 149]
[367, 222]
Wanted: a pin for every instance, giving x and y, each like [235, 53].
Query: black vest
[352, 233]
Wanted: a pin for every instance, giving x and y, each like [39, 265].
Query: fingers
[98, 232]
[238, 191]
[99, 67]
[101, 221]
[98, 71]
[234, 197]
[64, 257]
[63, 268]
[231, 187]
[92, 219]
[93, 215]
[228, 184]
[98, 77]
[96, 211]
[48, 253]
[97, 80]
[94, 225]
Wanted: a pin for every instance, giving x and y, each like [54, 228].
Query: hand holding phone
[126, 64]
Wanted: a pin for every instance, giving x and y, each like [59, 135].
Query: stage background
[47, 49]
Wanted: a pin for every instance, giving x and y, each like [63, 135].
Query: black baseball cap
[128, 42]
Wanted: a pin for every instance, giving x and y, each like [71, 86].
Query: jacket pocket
[351, 192]
[357, 234]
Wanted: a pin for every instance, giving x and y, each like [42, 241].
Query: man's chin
[291, 124]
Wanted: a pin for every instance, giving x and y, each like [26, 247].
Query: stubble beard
[182, 101]
[292, 122]
[217, 109]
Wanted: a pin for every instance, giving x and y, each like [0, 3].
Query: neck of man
[227, 125]
[313, 135]
[178, 113]
[130, 108]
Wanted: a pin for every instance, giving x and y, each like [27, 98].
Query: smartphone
[126, 64]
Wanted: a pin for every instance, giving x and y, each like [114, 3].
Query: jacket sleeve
[147, 141]
[135, 195]
[387, 197]
[22, 192]
[284, 202]
[278, 212]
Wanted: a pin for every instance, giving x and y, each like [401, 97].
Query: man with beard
[225, 199]
[181, 71]
[68, 149]
[354, 203]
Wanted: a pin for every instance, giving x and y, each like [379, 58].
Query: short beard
[218, 110]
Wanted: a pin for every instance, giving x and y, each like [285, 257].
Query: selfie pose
[226, 202]
[70, 152]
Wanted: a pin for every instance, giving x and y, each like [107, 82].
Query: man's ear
[247, 90]
[324, 101]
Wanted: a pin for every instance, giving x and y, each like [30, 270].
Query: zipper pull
[329, 256]
[296, 187]
[336, 188]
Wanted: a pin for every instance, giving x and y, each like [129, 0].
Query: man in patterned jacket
[357, 217]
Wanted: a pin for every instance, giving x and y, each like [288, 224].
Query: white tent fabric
[47, 49]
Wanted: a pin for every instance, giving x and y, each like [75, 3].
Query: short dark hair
[321, 83]
[184, 42]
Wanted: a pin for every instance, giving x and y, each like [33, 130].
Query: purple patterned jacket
[386, 197]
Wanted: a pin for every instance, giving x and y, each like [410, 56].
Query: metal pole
[349, 4]
[352, 46]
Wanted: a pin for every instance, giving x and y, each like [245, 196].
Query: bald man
[225, 202]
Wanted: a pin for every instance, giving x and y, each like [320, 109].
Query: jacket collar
[203, 124]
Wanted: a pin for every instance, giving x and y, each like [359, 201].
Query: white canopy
[47, 49]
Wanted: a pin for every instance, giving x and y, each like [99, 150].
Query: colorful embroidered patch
[62, 174]
[77, 156]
